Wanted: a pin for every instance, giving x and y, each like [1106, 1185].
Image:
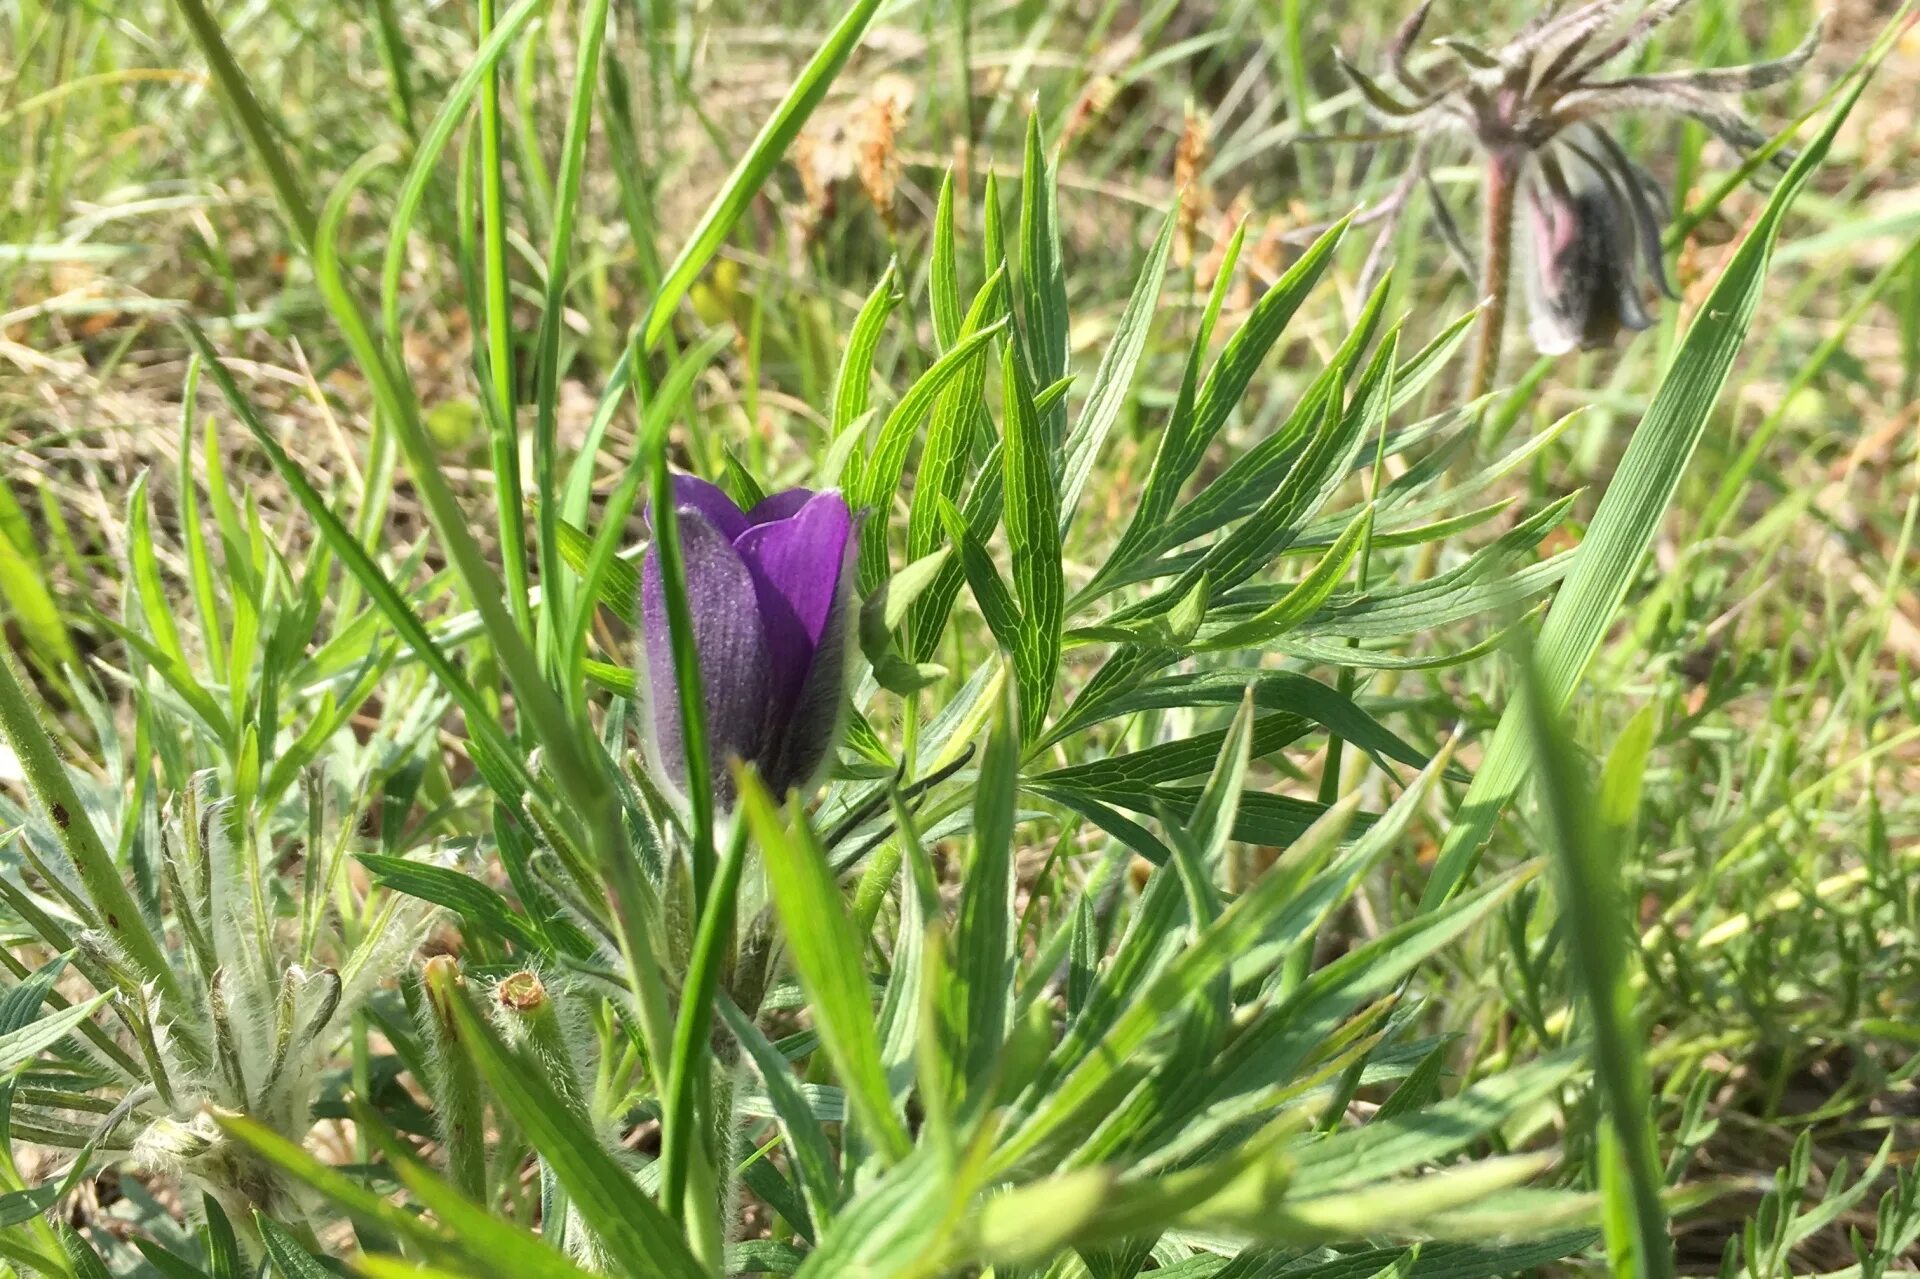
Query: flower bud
[769, 591]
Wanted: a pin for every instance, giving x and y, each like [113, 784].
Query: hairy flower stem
[1496, 273]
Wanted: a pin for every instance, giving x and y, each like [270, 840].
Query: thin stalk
[1496, 279]
[505, 452]
[690, 1058]
[554, 599]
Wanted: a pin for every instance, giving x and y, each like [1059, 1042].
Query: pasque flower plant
[768, 589]
[1537, 110]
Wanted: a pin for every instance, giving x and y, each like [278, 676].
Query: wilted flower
[1536, 108]
[769, 592]
[1581, 285]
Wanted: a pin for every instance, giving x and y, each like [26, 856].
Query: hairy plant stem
[1496, 271]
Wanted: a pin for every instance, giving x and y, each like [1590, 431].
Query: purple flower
[769, 591]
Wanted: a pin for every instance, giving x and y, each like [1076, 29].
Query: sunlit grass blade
[591, 35]
[805, 93]
[853, 385]
[1597, 921]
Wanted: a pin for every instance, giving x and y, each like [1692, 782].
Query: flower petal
[812, 724]
[801, 558]
[736, 672]
[780, 505]
[690, 491]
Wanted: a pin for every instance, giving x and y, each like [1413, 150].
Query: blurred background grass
[1764, 665]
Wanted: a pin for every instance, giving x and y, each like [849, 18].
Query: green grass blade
[808, 88]
[637, 1235]
[591, 34]
[193, 535]
[1597, 920]
[253, 118]
[24, 590]
[827, 955]
[149, 591]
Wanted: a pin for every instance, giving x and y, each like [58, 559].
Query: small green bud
[529, 1020]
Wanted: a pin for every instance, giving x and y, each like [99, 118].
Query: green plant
[1103, 945]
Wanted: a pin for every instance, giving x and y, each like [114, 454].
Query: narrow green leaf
[497, 758]
[989, 588]
[19, 1047]
[1114, 378]
[984, 945]
[853, 386]
[150, 592]
[483, 909]
[951, 435]
[1033, 543]
[879, 480]
[943, 269]
[812, 1154]
[827, 956]
[287, 1256]
[30, 601]
[1304, 599]
[635, 1232]
[1598, 924]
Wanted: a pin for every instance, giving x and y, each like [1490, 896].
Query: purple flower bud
[769, 591]
[1582, 287]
